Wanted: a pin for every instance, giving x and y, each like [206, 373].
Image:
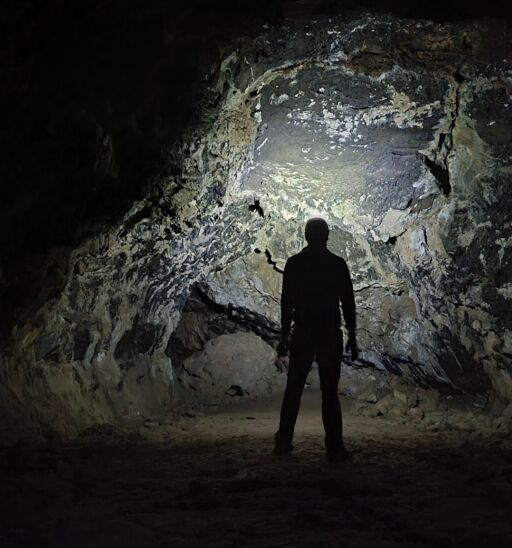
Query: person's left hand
[352, 346]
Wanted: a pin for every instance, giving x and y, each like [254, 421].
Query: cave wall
[398, 132]
[400, 139]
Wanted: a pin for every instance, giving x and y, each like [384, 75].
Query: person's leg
[329, 366]
[331, 409]
[298, 369]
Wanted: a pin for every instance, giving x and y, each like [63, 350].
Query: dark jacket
[315, 282]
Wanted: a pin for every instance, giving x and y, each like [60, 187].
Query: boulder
[230, 367]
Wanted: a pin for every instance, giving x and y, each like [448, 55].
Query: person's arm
[286, 310]
[348, 306]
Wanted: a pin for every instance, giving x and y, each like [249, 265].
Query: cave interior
[161, 161]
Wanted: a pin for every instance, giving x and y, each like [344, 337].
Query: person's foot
[281, 448]
[338, 454]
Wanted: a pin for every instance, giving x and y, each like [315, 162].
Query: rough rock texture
[398, 132]
[230, 366]
[399, 136]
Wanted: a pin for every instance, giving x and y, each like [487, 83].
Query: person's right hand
[282, 363]
[282, 347]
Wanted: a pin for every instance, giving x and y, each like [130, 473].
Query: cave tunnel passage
[140, 400]
[370, 122]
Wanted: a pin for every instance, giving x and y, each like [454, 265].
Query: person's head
[317, 232]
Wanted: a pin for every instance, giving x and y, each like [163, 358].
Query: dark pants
[327, 346]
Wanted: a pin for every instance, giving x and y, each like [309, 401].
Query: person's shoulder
[294, 259]
[337, 260]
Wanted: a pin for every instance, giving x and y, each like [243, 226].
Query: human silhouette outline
[315, 283]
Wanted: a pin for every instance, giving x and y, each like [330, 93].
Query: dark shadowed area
[211, 480]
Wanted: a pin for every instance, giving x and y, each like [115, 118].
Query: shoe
[338, 454]
[280, 448]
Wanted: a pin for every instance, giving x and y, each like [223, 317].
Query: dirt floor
[212, 480]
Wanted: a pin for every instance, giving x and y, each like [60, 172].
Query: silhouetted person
[315, 282]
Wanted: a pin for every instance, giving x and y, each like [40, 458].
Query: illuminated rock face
[391, 140]
[398, 133]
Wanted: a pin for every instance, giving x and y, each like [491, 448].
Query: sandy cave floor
[212, 480]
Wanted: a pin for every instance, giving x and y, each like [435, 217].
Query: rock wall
[398, 135]
[398, 132]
